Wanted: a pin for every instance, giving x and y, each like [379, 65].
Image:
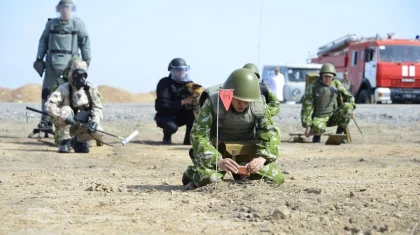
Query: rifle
[124, 140]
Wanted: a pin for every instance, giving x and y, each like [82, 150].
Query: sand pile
[32, 93]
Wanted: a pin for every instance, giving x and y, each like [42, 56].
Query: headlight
[296, 92]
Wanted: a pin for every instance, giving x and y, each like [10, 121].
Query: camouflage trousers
[340, 117]
[201, 175]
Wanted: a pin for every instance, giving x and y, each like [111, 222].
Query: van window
[298, 74]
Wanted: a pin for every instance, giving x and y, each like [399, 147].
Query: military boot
[341, 131]
[185, 179]
[316, 139]
[80, 147]
[187, 140]
[64, 146]
[167, 139]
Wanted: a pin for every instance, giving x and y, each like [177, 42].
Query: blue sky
[134, 40]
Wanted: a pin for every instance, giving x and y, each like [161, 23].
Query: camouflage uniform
[340, 115]
[273, 103]
[205, 154]
[60, 107]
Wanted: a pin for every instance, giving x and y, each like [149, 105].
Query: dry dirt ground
[371, 186]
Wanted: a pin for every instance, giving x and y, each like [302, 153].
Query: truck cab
[294, 79]
[382, 70]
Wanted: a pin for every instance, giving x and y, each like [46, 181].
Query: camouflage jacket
[273, 104]
[308, 102]
[61, 97]
[267, 137]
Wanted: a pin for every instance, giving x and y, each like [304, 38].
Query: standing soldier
[321, 106]
[247, 122]
[174, 107]
[60, 41]
[79, 100]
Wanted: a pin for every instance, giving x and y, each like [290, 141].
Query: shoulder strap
[87, 90]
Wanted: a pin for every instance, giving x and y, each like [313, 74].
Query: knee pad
[45, 93]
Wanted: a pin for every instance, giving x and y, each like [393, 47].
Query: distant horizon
[133, 42]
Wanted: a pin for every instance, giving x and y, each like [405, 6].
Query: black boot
[167, 139]
[185, 179]
[187, 140]
[64, 146]
[80, 147]
[341, 131]
[316, 139]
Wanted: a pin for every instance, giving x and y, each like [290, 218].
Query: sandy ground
[371, 186]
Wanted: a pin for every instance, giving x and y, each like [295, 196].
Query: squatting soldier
[247, 120]
[60, 41]
[320, 106]
[174, 107]
[76, 99]
[273, 104]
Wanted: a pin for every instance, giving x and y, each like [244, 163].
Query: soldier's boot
[187, 140]
[167, 139]
[341, 131]
[185, 179]
[316, 139]
[64, 146]
[80, 147]
[188, 184]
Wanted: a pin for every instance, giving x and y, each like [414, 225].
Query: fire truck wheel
[364, 97]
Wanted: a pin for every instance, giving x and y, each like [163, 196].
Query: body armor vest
[62, 43]
[325, 99]
[235, 126]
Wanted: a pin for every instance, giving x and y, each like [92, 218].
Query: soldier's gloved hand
[228, 165]
[92, 127]
[69, 120]
[256, 164]
[308, 131]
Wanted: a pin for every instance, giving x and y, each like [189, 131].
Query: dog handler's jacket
[169, 95]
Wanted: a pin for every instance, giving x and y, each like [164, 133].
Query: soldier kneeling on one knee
[69, 103]
[326, 103]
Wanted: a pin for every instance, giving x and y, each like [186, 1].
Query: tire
[364, 97]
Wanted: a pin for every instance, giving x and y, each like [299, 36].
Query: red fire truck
[383, 70]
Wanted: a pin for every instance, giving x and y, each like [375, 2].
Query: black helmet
[176, 62]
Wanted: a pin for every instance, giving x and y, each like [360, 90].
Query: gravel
[289, 114]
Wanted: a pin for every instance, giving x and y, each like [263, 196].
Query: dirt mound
[117, 95]
[32, 93]
[26, 93]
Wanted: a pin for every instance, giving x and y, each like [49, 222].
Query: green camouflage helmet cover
[245, 85]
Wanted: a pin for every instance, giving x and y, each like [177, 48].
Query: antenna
[259, 35]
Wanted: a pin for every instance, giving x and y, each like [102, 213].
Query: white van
[295, 78]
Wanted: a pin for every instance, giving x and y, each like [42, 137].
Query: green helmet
[327, 68]
[245, 85]
[253, 68]
[69, 65]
